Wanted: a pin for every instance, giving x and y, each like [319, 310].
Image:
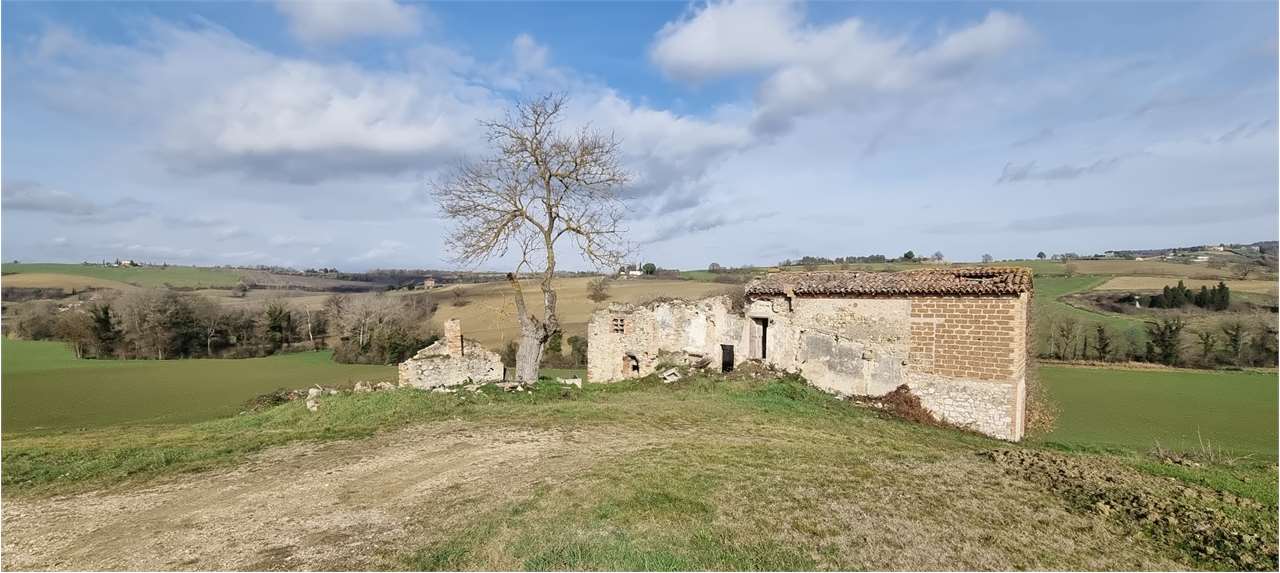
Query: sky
[310, 134]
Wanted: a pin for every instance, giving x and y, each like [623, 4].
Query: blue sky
[307, 134]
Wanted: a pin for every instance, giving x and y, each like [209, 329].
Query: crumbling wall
[964, 356]
[844, 345]
[451, 361]
[627, 341]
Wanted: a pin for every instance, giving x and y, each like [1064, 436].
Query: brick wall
[969, 337]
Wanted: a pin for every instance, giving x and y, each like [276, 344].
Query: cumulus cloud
[261, 115]
[329, 21]
[815, 68]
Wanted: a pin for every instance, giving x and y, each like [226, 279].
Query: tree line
[161, 324]
[1179, 296]
[1167, 341]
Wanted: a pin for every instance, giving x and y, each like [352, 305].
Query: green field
[1132, 409]
[183, 277]
[46, 387]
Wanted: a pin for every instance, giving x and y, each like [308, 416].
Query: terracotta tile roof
[948, 281]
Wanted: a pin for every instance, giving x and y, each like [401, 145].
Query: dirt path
[346, 505]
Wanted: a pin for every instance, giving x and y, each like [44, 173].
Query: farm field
[489, 314]
[66, 282]
[46, 387]
[1157, 283]
[182, 277]
[1132, 409]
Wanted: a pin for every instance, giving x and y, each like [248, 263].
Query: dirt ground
[336, 506]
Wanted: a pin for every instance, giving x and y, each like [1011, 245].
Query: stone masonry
[451, 361]
[956, 337]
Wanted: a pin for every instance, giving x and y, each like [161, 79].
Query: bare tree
[541, 186]
[1242, 270]
[598, 289]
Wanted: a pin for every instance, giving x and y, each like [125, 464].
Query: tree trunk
[533, 338]
[310, 334]
[529, 352]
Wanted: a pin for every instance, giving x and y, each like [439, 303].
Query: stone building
[956, 336]
[451, 361]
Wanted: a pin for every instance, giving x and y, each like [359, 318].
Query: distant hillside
[171, 276]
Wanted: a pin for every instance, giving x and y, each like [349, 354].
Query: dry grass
[1149, 268]
[64, 282]
[1132, 283]
[489, 317]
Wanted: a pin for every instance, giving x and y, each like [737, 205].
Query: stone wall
[628, 341]
[451, 361]
[965, 356]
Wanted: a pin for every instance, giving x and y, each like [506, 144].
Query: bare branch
[539, 187]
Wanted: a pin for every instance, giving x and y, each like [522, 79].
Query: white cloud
[729, 37]
[27, 196]
[816, 68]
[215, 104]
[297, 241]
[329, 21]
[529, 54]
[382, 250]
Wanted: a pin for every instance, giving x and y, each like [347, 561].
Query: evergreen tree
[1234, 336]
[1166, 340]
[1102, 341]
[105, 331]
[1204, 299]
[1222, 300]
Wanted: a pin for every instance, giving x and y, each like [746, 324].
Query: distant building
[429, 282]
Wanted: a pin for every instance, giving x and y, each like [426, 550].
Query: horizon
[306, 134]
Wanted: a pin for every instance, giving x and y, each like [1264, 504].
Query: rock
[570, 381]
[670, 375]
[313, 393]
[363, 386]
[384, 386]
[313, 404]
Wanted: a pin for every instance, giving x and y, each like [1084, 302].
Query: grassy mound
[710, 473]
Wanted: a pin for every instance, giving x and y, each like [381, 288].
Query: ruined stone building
[956, 336]
[451, 361]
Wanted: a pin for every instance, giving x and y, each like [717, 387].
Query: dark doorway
[726, 358]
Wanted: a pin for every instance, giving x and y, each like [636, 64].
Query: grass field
[489, 315]
[704, 474]
[46, 387]
[183, 277]
[1132, 409]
